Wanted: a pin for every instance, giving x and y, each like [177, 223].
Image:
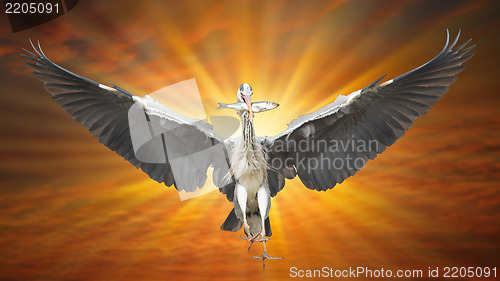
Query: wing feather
[104, 112]
[376, 116]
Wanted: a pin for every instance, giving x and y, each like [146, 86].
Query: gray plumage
[377, 115]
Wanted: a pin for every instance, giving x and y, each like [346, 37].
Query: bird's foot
[265, 256]
[254, 239]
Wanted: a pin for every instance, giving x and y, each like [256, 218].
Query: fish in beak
[257, 107]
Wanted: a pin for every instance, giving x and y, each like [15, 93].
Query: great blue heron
[377, 116]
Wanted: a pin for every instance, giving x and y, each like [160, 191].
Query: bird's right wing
[327, 146]
[170, 148]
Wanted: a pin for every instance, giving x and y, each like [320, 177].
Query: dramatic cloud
[70, 209]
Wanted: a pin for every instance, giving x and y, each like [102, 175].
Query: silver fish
[257, 107]
[262, 106]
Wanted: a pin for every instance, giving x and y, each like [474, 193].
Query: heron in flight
[250, 170]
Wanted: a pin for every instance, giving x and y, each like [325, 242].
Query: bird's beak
[249, 106]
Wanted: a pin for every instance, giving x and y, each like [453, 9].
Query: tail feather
[222, 105]
[267, 224]
[232, 223]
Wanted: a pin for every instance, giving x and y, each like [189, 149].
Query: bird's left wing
[327, 146]
[170, 148]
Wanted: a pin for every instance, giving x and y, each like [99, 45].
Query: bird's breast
[251, 181]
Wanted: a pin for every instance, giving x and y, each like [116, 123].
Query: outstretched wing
[327, 146]
[170, 148]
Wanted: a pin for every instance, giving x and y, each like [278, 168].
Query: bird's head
[245, 95]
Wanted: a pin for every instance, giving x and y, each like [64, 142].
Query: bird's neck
[248, 132]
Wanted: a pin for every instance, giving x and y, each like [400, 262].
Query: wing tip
[447, 40]
[447, 46]
[37, 53]
[455, 41]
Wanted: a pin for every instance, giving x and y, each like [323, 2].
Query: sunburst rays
[72, 209]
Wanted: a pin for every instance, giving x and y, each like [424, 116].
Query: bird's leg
[261, 199]
[241, 200]
[250, 238]
[246, 227]
[263, 227]
[265, 256]
[254, 238]
[264, 200]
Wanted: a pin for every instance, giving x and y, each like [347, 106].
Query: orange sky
[70, 209]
